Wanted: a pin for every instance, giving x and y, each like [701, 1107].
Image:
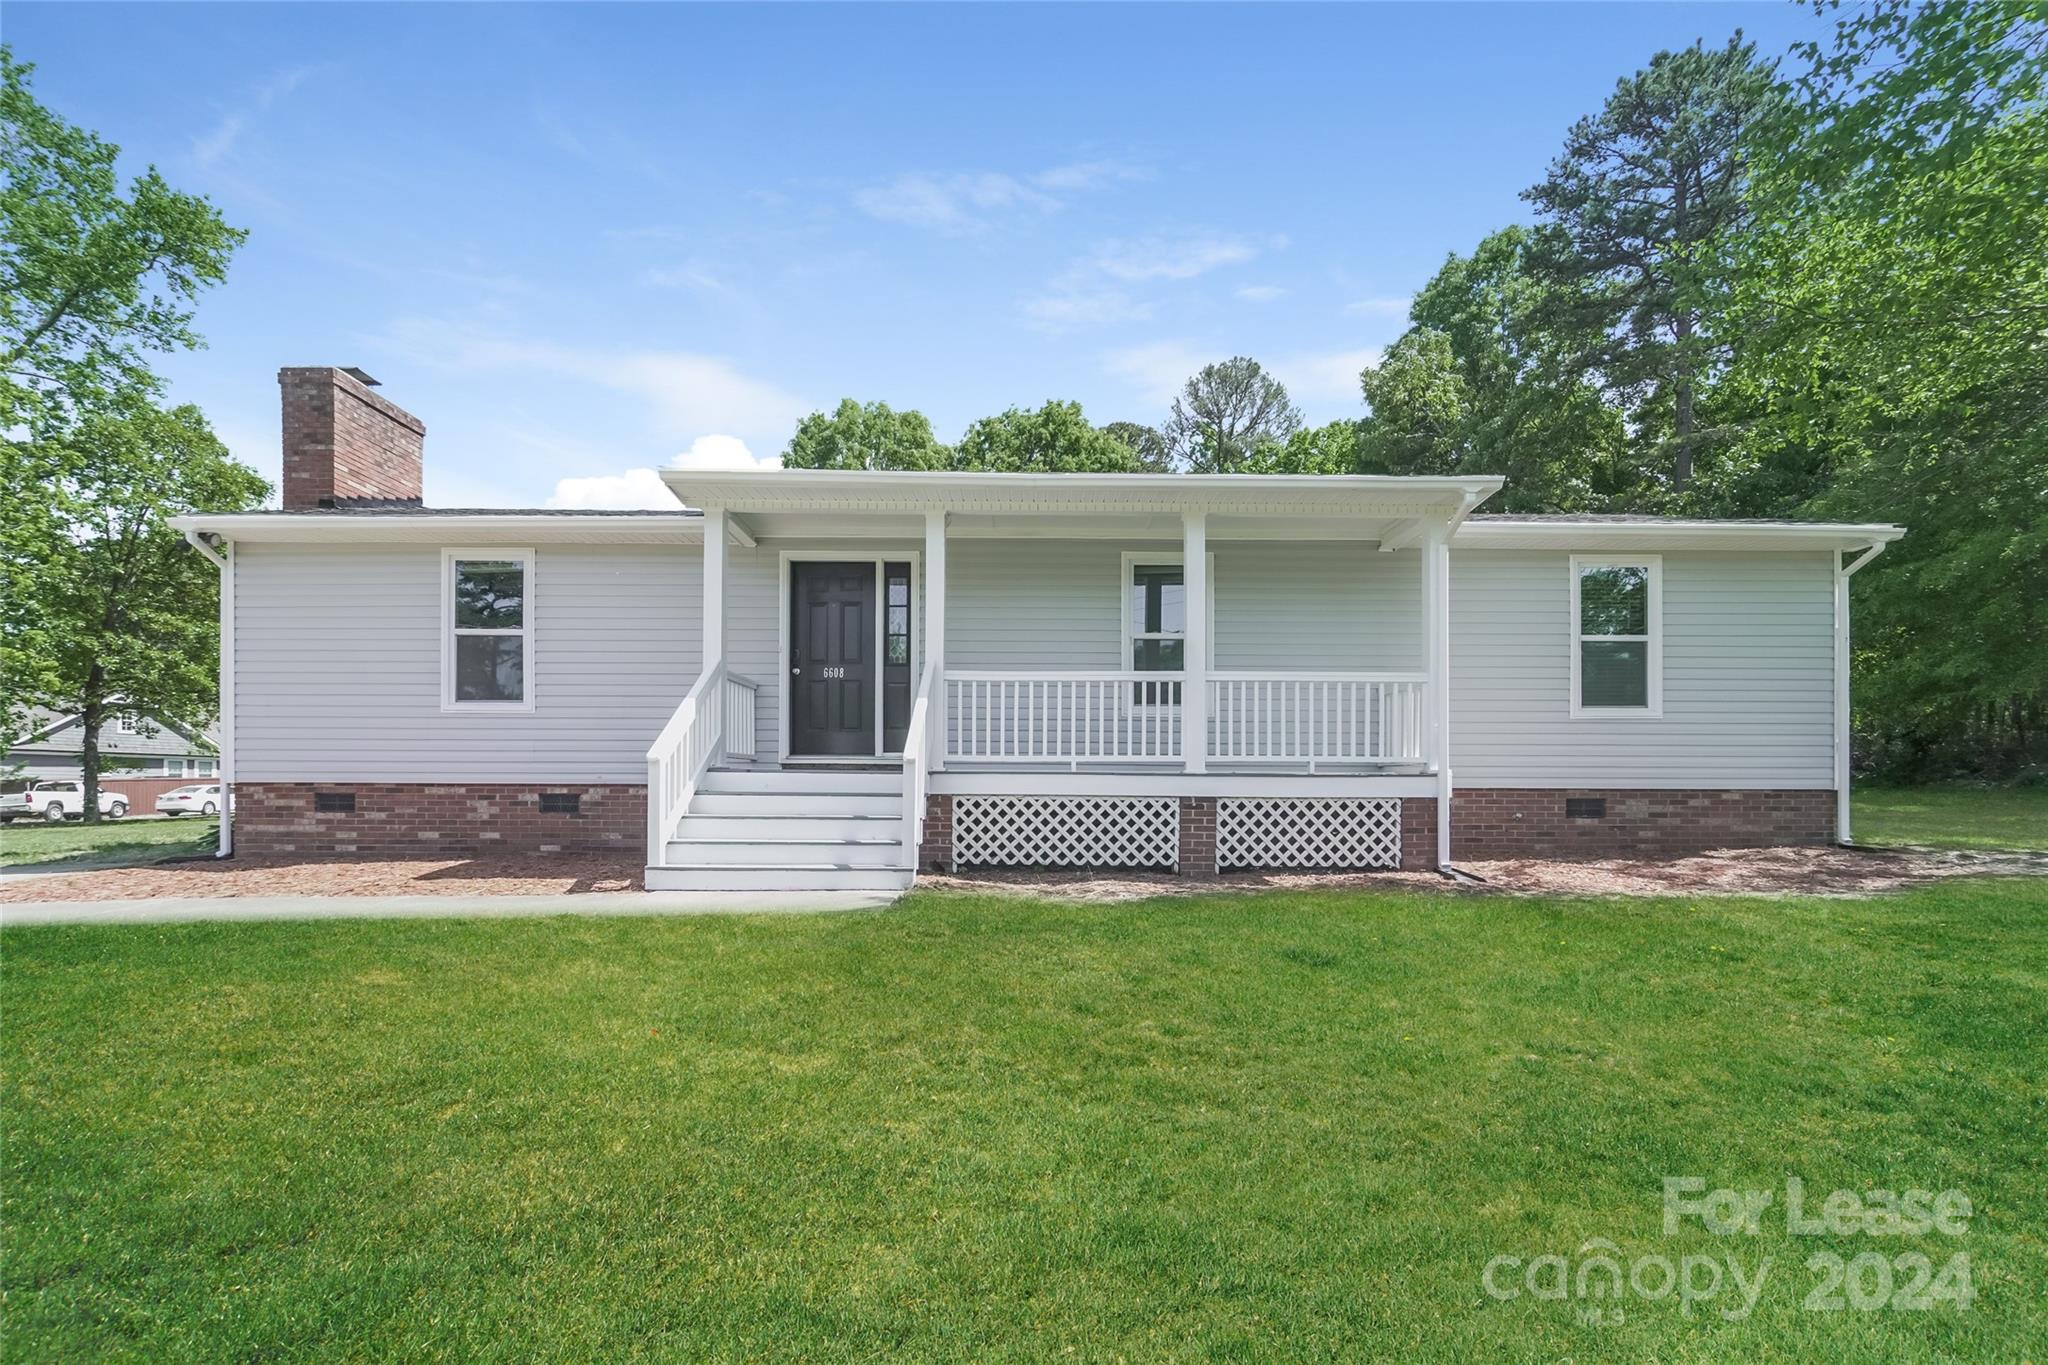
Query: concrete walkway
[200, 909]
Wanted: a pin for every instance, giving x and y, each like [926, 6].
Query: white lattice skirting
[1309, 832]
[1066, 831]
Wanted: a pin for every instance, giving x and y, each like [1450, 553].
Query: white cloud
[948, 203]
[1069, 306]
[684, 391]
[216, 145]
[1260, 293]
[1326, 377]
[642, 489]
[636, 490]
[1088, 175]
[1385, 308]
[723, 452]
[1157, 371]
[694, 276]
[1170, 258]
[964, 201]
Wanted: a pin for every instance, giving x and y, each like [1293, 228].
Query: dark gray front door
[831, 658]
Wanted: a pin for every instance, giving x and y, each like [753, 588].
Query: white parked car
[202, 799]
[54, 801]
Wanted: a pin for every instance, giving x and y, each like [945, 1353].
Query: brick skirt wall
[935, 854]
[429, 818]
[1530, 823]
[415, 818]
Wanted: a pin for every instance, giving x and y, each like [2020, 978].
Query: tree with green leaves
[102, 605]
[1145, 442]
[1526, 416]
[1892, 297]
[1419, 409]
[865, 436]
[109, 611]
[1055, 439]
[1224, 413]
[1332, 448]
[1638, 211]
[92, 276]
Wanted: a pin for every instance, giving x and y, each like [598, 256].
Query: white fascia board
[1503, 533]
[369, 528]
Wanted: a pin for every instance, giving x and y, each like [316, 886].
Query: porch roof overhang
[1629, 533]
[896, 502]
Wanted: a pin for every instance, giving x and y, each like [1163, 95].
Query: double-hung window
[487, 630]
[1156, 622]
[1617, 636]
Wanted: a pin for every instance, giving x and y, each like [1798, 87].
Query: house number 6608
[838, 672]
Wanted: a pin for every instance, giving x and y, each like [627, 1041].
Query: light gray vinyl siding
[338, 666]
[1058, 604]
[1748, 676]
[1317, 605]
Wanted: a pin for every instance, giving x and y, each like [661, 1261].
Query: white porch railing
[716, 717]
[916, 768]
[1317, 718]
[740, 716]
[1073, 718]
[1281, 717]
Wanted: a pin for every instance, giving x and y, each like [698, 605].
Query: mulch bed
[1768, 871]
[539, 874]
[1735, 871]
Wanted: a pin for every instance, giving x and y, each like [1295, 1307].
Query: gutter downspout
[1438, 568]
[1843, 572]
[225, 562]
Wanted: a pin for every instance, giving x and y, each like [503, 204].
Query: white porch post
[1194, 699]
[935, 633]
[1436, 597]
[714, 586]
[1843, 738]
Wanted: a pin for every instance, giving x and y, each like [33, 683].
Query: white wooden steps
[788, 830]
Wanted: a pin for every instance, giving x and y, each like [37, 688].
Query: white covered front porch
[1063, 637]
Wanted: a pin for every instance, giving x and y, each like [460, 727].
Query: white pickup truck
[54, 801]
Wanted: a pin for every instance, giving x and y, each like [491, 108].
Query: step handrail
[916, 770]
[676, 761]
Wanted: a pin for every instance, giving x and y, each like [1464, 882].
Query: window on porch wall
[1159, 627]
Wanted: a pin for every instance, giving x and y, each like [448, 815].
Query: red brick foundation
[1531, 823]
[935, 854]
[1418, 833]
[421, 819]
[1198, 836]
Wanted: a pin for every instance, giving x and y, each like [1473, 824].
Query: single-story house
[143, 756]
[803, 679]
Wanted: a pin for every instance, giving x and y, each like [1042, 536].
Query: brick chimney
[343, 445]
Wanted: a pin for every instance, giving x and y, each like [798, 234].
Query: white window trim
[1655, 638]
[530, 602]
[126, 725]
[1133, 558]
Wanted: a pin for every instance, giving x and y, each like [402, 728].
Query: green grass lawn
[1282, 1126]
[27, 841]
[1952, 816]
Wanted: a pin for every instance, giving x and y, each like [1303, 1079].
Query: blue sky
[583, 241]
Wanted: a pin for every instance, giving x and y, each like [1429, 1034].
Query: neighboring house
[141, 756]
[836, 678]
